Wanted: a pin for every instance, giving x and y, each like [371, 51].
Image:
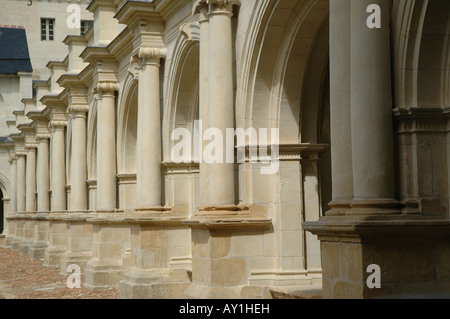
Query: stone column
[31, 179]
[21, 162]
[79, 232]
[371, 112]
[30, 203]
[58, 229]
[221, 102]
[148, 152]
[78, 194]
[21, 178]
[43, 176]
[105, 268]
[106, 147]
[13, 185]
[13, 203]
[202, 9]
[58, 172]
[41, 234]
[340, 96]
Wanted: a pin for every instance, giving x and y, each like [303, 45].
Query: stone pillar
[30, 203]
[58, 171]
[203, 96]
[42, 227]
[148, 152]
[106, 147]
[218, 271]
[31, 179]
[21, 162]
[221, 102]
[13, 185]
[105, 269]
[340, 95]
[21, 178]
[13, 203]
[371, 112]
[43, 176]
[408, 249]
[79, 248]
[78, 177]
[58, 229]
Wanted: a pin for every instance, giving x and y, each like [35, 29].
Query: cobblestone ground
[22, 278]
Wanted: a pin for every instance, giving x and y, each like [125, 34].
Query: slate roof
[14, 55]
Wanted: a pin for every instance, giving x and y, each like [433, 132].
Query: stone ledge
[229, 223]
[378, 228]
[297, 292]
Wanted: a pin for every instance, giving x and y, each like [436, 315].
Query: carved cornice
[286, 152]
[181, 168]
[415, 120]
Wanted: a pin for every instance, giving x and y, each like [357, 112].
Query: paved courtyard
[22, 278]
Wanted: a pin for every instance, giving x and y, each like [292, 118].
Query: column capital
[149, 55]
[30, 146]
[21, 153]
[57, 124]
[221, 6]
[78, 108]
[201, 7]
[106, 88]
[42, 137]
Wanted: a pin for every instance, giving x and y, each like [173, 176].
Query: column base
[74, 258]
[25, 247]
[42, 230]
[8, 241]
[37, 250]
[15, 244]
[53, 256]
[154, 284]
[2, 240]
[79, 233]
[103, 274]
[412, 254]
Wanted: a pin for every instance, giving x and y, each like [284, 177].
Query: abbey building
[349, 101]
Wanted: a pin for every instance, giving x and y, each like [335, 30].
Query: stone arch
[287, 89]
[68, 167]
[421, 53]
[92, 154]
[4, 194]
[421, 64]
[127, 116]
[127, 127]
[433, 68]
[181, 91]
[181, 110]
